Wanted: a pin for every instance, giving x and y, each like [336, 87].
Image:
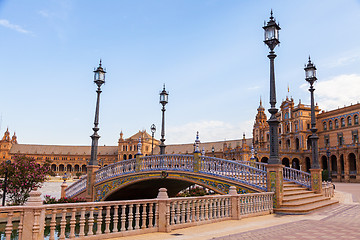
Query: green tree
[24, 174]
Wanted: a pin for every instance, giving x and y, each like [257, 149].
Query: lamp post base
[275, 183]
[90, 195]
[316, 180]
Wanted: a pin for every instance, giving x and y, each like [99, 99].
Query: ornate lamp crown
[271, 32]
[99, 75]
[310, 72]
[164, 97]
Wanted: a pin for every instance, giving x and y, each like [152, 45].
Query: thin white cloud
[209, 131]
[44, 13]
[347, 58]
[7, 24]
[337, 91]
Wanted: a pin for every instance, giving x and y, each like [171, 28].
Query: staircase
[299, 200]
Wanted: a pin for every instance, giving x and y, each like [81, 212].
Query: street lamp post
[163, 100]
[316, 179]
[153, 130]
[271, 40]
[5, 181]
[328, 153]
[310, 76]
[213, 151]
[99, 79]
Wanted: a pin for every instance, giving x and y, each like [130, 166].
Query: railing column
[138, 162]
[235, 214]
[163, 224]
[275, 183]
[90, 193]
[316, 180]
[34, 219]
[197, 161]
[63, 187]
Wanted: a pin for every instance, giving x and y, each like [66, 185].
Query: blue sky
[210, 54]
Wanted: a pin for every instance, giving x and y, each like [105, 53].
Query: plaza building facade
[73, 160]
[338, 138]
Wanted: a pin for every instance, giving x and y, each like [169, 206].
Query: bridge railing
[234, 171]
[116, 169]
[112, 219]
[258, 165]
[167, 162]
[297, 176]
[76, 187]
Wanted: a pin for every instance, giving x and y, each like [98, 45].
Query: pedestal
[90, 195]
[316, 180]
[275, 183]
[197, 161]
[63, 187]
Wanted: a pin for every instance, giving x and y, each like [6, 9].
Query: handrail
[258, 165]
[251, 173]
[297, 176]
[234, 170]
[76, 187]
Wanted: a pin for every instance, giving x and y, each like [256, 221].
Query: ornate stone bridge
[143, 176]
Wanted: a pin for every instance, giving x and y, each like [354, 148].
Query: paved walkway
[341, 221]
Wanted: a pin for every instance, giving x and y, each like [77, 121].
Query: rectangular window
[355, 136]
[340, 139]
[326, 141]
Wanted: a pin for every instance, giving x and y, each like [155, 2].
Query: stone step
[302, 202]
[291, 184]
[299, 192]
[294, 189]
[289, 198]
[304, 209]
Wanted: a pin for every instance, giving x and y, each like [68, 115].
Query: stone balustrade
[297, 176]
[103, 220]
[233, 170]
[253, 173]
[76, 187]
[328, 189]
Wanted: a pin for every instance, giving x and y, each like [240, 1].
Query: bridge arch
[146, 185]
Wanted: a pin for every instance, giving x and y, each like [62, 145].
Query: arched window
[330, 125]
[286, 115]
[124, 157]
[342, 122]
[336, 123]
[349, 121]
[356, 119]
[325, 126]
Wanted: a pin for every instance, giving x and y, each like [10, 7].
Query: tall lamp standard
[153, 130]
[5, 180]
[328, 153]
[99, 79]
[272, 39]
[163, 100]
[316, 185]
[310, 76]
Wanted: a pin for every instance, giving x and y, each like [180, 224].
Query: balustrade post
[63, 187]
[316, 180]
[34, 218]
[196, 163]
[275, 183]
[138, 162]
[163, 224]
[234, 203]
[90, 193]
